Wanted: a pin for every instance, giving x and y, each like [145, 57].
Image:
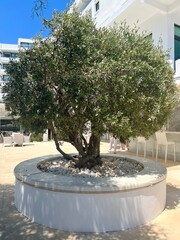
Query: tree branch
[65, 155]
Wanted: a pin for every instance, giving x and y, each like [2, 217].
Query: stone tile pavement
[13, 225]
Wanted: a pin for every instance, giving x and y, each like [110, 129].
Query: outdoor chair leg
[145, 149]
[137, 150]
[156, 151]
[166, 154]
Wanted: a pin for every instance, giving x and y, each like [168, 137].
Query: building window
[97, 6]
[176, 42]
[6, 54]
[14, 55]
[9, 55]
[5, 65]
[26, 45]
[6, 78]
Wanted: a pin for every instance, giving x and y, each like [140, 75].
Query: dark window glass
[26, 45]
[97, 6]
[9, 125]
[5, 65]
[176, 42]
[6, 78]
[14, 55]
[7, 54]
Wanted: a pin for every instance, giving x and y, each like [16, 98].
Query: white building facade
[8, 52]
[159, 18]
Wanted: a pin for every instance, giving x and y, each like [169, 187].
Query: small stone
[111, 167]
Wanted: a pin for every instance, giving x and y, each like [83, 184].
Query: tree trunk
[94, 146]
[78, 144]
[92, 157]
[65, 155]
[89, 156]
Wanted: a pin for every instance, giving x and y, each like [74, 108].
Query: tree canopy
[113, 79]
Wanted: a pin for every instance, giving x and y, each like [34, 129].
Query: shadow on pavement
[173, 197]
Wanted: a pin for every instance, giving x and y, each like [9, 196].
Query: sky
[17, 20]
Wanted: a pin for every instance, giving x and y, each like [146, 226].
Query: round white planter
[90, 204]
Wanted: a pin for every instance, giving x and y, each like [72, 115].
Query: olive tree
[113, 79]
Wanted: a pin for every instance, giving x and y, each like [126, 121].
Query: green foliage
[115, 79]
[36, 137]
[39, 6]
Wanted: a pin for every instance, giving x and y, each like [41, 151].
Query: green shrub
[36, 137]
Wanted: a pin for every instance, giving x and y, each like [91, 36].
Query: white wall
[160, 23]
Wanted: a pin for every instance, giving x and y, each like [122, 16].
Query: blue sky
[17, 21]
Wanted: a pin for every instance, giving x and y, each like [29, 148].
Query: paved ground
[15, 226]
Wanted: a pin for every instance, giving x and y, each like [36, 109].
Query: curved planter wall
[90, 205]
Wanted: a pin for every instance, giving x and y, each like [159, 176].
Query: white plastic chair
[18, 139]
[143, 141]
[7, 140]
[26, 139]
[161, 139]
